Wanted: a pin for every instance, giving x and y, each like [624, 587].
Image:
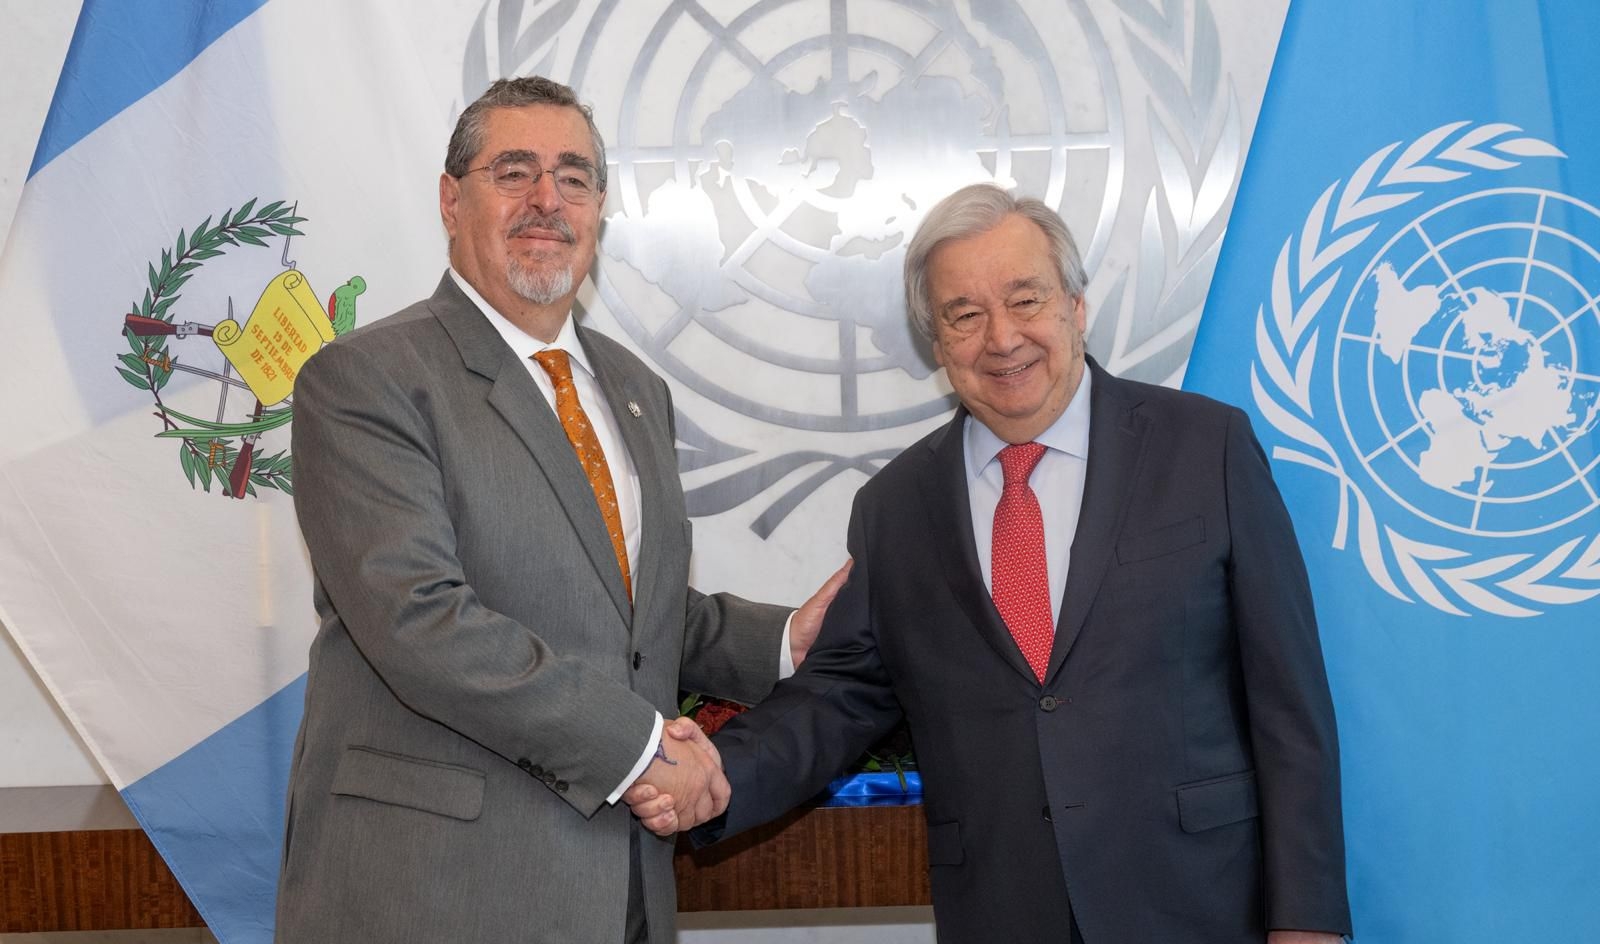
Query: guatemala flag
[1407, 305]
[221, 187]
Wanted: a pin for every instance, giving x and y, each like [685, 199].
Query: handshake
[683, 786]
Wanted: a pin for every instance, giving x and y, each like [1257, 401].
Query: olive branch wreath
[1308, 268]
[206, 449]
[499, 30]
[514, 45]
[1196, 139]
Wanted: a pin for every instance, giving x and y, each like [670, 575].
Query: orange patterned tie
[576, 425]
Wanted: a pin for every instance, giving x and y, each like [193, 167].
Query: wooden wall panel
[113, 879]
[96, 880]
[831, 858]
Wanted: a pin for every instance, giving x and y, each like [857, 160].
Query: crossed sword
[143, 327]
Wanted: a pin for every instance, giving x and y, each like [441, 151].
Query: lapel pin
[634, 408]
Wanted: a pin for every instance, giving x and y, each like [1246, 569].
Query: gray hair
[467, 140]
[974, 210]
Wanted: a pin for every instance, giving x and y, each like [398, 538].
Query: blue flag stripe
[121, 52]
[216, 814]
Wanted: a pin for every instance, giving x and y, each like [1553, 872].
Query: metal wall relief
[771, 160]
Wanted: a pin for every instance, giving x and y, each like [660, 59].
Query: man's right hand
[686, 788]
[658, 799]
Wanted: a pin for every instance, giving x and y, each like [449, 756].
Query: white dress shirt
[624, 477]
[1057, 481]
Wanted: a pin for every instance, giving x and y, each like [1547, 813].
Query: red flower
[714, 713]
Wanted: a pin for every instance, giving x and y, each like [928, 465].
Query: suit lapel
[943, 481]
[519, 402]
[1116, 441]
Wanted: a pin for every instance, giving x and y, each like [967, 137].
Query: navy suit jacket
[1174, 779]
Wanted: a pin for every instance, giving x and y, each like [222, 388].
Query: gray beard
[541, 288]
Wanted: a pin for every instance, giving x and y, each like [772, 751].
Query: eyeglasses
[515, 176]
[968, 321]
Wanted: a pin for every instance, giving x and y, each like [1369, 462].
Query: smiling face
[525, 255]
[1007, 333]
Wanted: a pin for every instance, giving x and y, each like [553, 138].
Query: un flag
[1407, 304]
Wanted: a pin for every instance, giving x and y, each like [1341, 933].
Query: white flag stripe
[157, 613]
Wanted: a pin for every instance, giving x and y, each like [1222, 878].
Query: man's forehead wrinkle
[1030, 281]
[1027, 282]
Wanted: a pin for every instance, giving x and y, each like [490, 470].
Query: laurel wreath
[1156, 304]
[1303, 279]
[1183, 212]
[514, 45]
[206, 450]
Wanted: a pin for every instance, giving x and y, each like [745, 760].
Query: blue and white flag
[223, 185]
[1407, 305]
[220, 188]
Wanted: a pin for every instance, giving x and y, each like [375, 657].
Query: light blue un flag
[1407, 305]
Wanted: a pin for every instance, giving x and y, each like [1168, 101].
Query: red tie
[1018, 573]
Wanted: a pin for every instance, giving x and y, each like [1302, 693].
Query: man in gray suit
[490, 498]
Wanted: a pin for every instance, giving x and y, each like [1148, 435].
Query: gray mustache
[545, 226]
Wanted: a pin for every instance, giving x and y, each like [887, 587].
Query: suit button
[561, 786]
[638, 660]
[548, 778]
[536, 770]
[1048, 703]
[525, 764]
[1046, 811]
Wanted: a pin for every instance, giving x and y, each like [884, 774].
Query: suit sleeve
[1290, 710]
[816, 722]
[372, 506]
[730, 646]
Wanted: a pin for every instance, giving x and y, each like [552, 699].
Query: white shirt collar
[523, 344]
[1068, 434]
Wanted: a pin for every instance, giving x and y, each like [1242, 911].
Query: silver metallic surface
[770, 161]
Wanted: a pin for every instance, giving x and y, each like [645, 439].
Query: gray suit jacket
[1174, 779]
[480, 683]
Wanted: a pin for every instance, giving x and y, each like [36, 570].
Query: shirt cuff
[644, 761]
[785, 657]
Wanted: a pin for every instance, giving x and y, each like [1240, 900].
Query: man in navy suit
[1085, 597]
